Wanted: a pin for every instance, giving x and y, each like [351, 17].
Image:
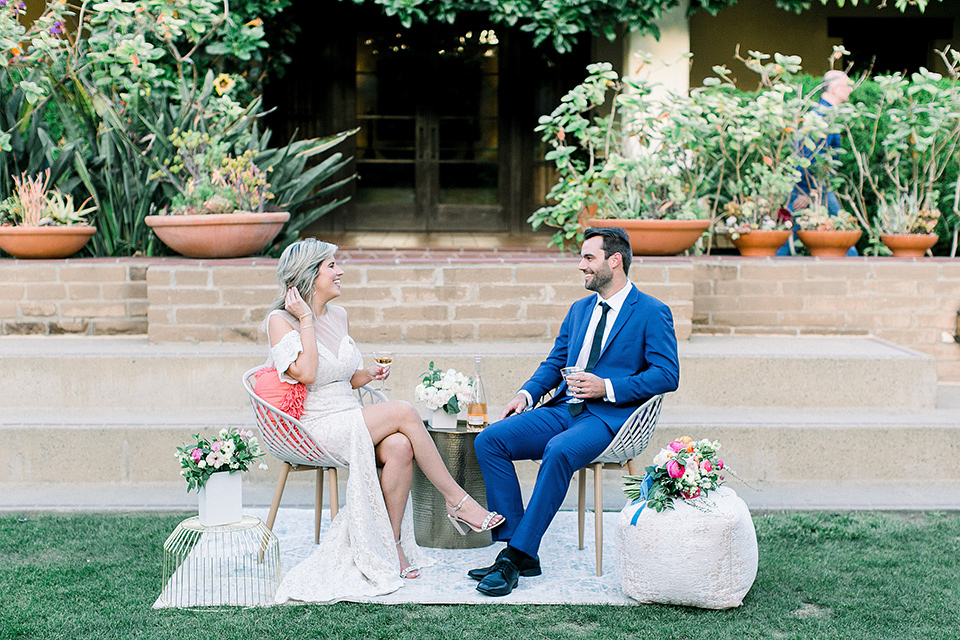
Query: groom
[626, 342]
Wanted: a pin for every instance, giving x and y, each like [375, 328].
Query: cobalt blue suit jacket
[639, 357]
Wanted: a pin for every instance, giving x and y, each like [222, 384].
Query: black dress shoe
[502, 580]
[528, 567]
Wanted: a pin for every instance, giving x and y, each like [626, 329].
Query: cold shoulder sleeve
[287, 349]
[285, 353]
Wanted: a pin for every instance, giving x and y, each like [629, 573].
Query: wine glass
[566, 372]
[384, 359]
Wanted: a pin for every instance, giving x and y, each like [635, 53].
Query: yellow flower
[224, 83]
[256, 22]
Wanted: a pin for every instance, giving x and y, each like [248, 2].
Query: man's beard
[599, 281]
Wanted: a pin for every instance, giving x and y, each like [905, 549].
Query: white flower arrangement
[449, 390]
[235, 450]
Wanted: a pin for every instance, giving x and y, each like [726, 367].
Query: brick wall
[86, 297]
[461, 300]
[209, 301]
[911, 302]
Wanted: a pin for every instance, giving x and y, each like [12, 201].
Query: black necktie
[576, 407]
[598, 337]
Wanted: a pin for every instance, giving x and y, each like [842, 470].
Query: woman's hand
[371, 373]
[295, 304]
[377, 372]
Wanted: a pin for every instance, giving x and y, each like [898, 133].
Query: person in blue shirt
[836, 90]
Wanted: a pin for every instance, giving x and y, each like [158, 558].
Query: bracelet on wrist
[306, 315]
[306, 326]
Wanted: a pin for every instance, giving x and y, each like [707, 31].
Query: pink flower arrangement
[684, 469]
[235, 450]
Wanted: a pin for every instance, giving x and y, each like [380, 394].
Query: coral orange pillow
[282, 395]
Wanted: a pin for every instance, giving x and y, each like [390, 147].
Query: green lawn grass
[849, 575]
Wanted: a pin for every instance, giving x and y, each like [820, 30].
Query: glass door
[428, 150]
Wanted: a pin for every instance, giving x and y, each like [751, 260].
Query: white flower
[201, 463]
[663, 457]
[437, 389]
[228, 448]
[215, 459]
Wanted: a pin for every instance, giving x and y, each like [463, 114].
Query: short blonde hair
[298, 267]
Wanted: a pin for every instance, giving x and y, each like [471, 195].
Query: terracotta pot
[45, 242]
[909, 245]
[220, 235]
[761, 243]
[657, 237]
[829, 244]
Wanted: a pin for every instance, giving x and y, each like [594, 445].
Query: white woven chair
[284, 437]
[630, 441]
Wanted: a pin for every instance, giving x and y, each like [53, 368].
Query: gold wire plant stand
[235, 564]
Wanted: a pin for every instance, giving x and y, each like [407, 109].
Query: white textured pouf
[688, 556]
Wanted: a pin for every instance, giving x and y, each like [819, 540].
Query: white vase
[440, 419]
[221, 499]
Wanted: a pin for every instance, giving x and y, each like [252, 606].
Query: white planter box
[221, 499]
[440, 419]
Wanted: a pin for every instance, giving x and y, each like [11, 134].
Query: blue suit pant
[563, 442]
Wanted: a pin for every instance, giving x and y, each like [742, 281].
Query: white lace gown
[357, 556]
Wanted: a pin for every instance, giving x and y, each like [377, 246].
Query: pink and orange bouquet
[684, 469]
[233, 450]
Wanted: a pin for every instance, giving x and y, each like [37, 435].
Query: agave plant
[303, 179]
[130, 84]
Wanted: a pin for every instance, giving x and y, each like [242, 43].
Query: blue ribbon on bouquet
[644, 489]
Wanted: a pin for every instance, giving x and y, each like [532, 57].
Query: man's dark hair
[615, 240]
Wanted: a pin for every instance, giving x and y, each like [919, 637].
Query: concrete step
[128, 373]
[759, 445]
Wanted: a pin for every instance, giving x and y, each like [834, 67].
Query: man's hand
[586, 385]
[518, 404]
[801, 201]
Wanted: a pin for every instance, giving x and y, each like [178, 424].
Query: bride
[369, 547]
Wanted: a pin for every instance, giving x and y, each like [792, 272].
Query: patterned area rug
[569, 574]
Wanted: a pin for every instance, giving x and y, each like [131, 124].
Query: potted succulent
[765, 141]
[219, 209]
[38, 221]
[914, 135]
[906, 226]
[827, 236]
[629, 167]
[754, 218]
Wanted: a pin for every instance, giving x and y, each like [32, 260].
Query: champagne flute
[384, 359]
[566, 372]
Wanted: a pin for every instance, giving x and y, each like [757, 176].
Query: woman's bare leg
[386, 418]
[395, 457]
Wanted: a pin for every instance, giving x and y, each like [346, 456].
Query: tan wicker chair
[630, 441]
[284, 437]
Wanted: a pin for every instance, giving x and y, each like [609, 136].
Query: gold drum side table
[231, 564]
[430, 523]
